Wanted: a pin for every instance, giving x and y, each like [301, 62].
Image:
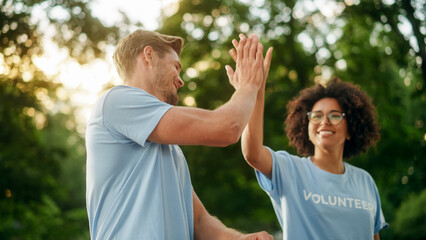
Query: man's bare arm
[223, 126]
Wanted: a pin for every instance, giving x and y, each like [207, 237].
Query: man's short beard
[172, 99]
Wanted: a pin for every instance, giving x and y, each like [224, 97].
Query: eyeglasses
[317, 117]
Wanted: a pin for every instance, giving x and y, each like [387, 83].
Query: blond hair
[130, 47]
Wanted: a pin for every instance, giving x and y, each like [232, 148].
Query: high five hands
[250, 66]
[239, 53]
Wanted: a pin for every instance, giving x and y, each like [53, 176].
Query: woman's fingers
[267, 62]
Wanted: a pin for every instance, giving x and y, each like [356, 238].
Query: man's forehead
[173, 56]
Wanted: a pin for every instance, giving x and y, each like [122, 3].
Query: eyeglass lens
[333, 117]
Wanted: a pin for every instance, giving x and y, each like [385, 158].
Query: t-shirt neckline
[327, 174]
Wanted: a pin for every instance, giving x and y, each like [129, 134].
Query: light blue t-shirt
[311, 203]
[135, 189]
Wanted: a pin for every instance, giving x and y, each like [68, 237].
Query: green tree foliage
[42, 155]
[410, 222]
[359, 41]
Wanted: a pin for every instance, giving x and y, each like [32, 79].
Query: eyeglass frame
[327, 115]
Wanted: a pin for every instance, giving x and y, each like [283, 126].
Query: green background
[42, 153]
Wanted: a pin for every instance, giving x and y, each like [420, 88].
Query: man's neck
[141, 84]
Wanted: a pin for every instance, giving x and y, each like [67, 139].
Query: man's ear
[147, 54]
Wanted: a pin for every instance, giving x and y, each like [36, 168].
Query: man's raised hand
[249, 61]
[266, 61]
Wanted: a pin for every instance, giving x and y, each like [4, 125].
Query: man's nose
[180, 82]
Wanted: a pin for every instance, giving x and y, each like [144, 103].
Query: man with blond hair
[138, 182]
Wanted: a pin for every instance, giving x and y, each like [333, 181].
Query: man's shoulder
[127, 95]
[128, 90]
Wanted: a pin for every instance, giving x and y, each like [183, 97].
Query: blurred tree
[410, 221]
[42, 155]
[364, 42]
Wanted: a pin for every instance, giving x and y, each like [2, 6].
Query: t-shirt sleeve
[379, 221]
[281, 174]
[132, 113]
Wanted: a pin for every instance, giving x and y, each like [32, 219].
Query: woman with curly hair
[318, 195]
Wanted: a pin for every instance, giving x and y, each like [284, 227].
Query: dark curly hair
[360, 115]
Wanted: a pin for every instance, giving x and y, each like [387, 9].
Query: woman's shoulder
[284, 153]
[358, 172]
[285, 156]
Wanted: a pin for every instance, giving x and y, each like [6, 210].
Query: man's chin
[172, 100]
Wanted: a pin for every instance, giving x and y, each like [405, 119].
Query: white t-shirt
[135, 189]
[311, 203]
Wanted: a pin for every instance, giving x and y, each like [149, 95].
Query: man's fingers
[233, 51]
[267, 236]
[254, 46]
[233, 54]
[230, 72]
[240, 48]
[260, 236]
[235, 43]
[259, 53]
[247, 47]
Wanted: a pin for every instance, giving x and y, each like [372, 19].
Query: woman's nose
[325, 120]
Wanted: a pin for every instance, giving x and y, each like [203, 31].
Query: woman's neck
[329, 161]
